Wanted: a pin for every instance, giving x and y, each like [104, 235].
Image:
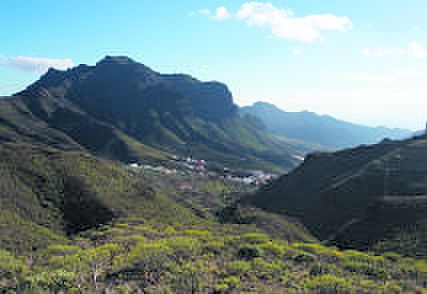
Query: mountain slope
[121, 109]
[323, 130]
[46, 194]
[364, 197]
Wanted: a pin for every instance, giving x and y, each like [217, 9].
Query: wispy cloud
[392, 76]
[35, 64]
[221, 13]
[413, 50]
[370, 78]
[283, 23]
[412, 73]
[297, 52]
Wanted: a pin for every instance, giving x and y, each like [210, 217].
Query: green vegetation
[136, 255]
[95, 227]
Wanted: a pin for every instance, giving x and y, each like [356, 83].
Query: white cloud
[35, 64]
[282, 23]
[205, 12]
[414, 50]
[383, 53]
[412, 73]
[221, 13]
[297, 52]
[370, 78]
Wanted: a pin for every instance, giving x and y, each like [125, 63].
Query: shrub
[363, 257]
[198, 234]
[232, 281]
[266, 270]
[151, 258]
[329, 284]
[250, 252]
[221, 289]
[367, 269]
[393, 288]
[238, 268]
[255, 238]
[187, 280]
[273, 248]
[183, 247]
[368, 286]
[213, 247]
[12, 270]
[55, 280]
[323, 269]
[304, 257]
[392, 256]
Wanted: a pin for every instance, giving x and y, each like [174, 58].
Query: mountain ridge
[372, 189]
[320, 129]
[131, 108]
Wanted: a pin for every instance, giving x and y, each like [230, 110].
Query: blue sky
[362, 61]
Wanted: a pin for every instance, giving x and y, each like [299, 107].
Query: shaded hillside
[361, 196]
[323, 130]
[393, 224]
[46, 195]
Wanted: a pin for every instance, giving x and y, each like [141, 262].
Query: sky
[361, 61]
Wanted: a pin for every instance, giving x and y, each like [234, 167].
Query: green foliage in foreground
[137, 257]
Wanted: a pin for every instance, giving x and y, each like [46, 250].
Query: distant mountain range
[324, 130]
[370, 197]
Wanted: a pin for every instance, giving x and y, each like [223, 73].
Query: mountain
[369, 197]
[120, 109]
[73, 218]
[323, 130]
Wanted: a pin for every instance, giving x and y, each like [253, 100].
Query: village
[186, 166]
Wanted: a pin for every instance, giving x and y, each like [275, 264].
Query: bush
[368, 286]
[12, 270]
[214, 247]
[250, 252]
[273, 248]
[266, 270]
[183, 247]
[232, 281]
[367, 269]
[304, 257]
[151, 258]
[363, 257]
[392, 256]
[317, 249]
[323, 269]
[393, 288]
[56, 280]
[221, 289]
[329, 284]
[238, 268]
[255, 238]
[198, 234]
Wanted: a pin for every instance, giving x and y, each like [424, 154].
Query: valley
[119, 179]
